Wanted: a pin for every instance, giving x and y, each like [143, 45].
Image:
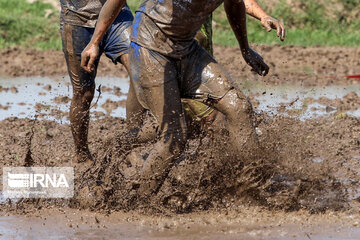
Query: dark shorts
[160, 82]
[115, 43]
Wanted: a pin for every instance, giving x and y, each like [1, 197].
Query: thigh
[203, 78]
[134, 111]
[155, 83]
[74, 40]
[117, 39]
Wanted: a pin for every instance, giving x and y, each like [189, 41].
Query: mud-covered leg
[167, 109]
[219, 92]
[79, 120]
[141, 128]
[74, 40]
[238, 112]
[254, 168]
[156, 83]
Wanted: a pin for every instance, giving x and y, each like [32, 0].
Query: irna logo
[38, 182]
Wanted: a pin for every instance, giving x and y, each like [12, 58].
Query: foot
[83, 161]
[83, 156]
[134, 162]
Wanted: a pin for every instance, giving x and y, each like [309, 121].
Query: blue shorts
[114, 44]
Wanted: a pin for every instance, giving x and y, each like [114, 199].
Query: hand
[257, 63]
[270, 23]
[89, 56]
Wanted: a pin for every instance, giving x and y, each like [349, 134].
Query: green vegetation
[25, 24]
[308, 22]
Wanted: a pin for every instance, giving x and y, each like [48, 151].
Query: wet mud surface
[247, 224]
[308, 125]
[304, 66]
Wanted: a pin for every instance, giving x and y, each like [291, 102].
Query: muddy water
[27, 97]
[75, 224]
[292, 97]
[253, 224]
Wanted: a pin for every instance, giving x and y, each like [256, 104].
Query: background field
[308, 23]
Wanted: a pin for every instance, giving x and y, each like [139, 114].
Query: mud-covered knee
[235, 102]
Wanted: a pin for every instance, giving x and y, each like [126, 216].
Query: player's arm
[107, 15]
[236, 14]
[268, 22]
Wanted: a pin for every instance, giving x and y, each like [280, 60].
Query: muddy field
[308, 182]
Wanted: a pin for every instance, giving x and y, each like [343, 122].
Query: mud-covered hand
[89, 56]
[257, 63]
[270, 23]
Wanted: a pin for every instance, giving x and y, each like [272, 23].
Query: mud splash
[207, 175]
[311, 133]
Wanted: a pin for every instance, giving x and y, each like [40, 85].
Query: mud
[311, 189]
[203, 177]
[305, 66]
[29, 62]
[247, 223]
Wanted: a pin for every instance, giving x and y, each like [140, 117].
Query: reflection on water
[76, 224]
[292, 98]
[26, 97]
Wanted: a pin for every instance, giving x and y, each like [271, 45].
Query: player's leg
[117, 49]
[74, 41]
[208, 80]
[156, 86]
[196, 112]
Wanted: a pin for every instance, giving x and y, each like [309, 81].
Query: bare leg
[83, 83]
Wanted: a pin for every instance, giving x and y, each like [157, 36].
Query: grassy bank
[31, 25]
[308, 22]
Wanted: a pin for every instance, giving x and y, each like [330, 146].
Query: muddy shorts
[160, 82]
[196, 110]
[114, 44]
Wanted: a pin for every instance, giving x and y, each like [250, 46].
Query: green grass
[309, 24]
[300, 37]
[24, 24]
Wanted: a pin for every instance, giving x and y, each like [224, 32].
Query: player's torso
[81, 12]
[179, 17]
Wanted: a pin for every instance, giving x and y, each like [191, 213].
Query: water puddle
[318, 160]
[300, 102]
[50, 98]
[75, 224]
